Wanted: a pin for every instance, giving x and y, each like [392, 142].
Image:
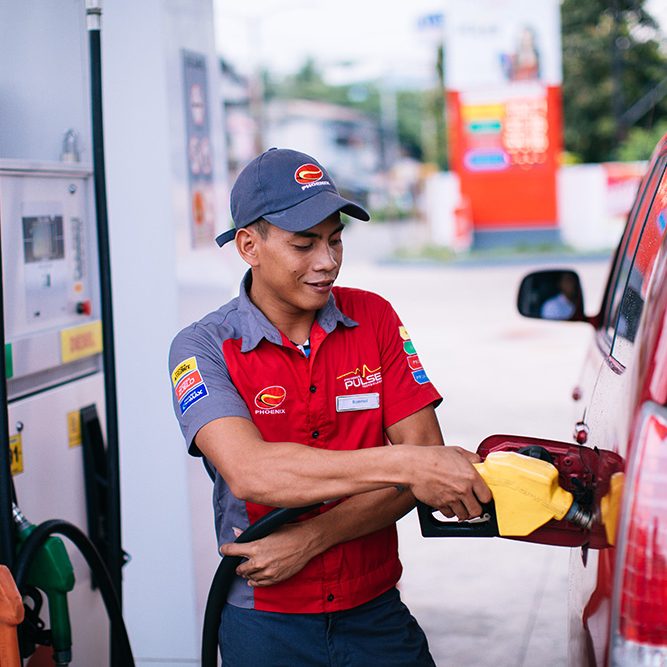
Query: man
[290, 391]
[563, 305]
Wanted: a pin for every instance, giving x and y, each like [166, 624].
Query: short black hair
[262, 227]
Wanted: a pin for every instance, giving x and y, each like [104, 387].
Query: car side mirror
[552, 295]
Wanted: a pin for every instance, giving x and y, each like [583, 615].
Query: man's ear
[247, 244]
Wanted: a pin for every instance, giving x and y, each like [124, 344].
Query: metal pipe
[7, 537]
[115, 553]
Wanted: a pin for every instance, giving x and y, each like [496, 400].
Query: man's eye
[336, 241]
[303, 247]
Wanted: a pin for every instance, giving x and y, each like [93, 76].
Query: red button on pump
[84, 307]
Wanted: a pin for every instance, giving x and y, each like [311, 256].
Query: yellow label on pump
[80, 342]
[16, 453]
[74, 428]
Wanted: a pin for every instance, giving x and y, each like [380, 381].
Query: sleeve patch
[414, 363]
[420, 377]
[192, 397]
[186, 366]
[187, 382]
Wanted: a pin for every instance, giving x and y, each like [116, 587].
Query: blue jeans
[380, 632]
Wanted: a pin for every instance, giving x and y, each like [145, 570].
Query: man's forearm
[290, 475]
[357, 516]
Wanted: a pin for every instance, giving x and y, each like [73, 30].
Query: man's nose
[326, 258]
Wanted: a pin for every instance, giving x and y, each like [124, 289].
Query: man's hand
[444, 478]
[276, 557]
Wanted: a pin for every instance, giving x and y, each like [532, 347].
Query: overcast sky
[382, 36]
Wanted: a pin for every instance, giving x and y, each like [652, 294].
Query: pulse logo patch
[307, 173]
[269, 400]
[361, 377]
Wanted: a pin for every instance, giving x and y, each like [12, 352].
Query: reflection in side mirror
[552, 295]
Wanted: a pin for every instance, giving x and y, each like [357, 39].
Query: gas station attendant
[291, 392]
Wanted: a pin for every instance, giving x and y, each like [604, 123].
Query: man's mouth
[321, 285]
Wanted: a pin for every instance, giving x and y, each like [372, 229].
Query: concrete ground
[487, 602]
[481, 601]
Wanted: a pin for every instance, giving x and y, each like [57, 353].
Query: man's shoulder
[349, 299]
[216, 326]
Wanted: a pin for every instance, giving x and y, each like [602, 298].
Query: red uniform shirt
[362, 376]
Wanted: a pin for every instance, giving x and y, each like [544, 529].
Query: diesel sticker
[403, 332]
[16, 454]
[192, 397]
[357, 402]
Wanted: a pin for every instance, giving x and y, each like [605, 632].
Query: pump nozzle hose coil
[30, 549]
[224, 576]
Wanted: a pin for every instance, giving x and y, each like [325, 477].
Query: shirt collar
[255, 325]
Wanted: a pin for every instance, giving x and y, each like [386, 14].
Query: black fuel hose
[113, 520]
[224, 576]
[57, 526]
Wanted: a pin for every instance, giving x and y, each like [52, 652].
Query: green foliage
[611, 59]
[640, 142]
[420, 113]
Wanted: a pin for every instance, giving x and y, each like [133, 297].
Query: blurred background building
[492, 125]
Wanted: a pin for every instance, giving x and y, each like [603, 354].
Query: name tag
[357, 402]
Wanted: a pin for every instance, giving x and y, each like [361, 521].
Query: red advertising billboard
[503, 76]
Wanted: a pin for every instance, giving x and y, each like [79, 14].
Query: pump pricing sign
[199, 150]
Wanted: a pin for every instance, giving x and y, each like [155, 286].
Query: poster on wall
[503, 80]
[198, 150]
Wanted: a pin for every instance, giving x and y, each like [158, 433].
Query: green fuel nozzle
[51, 571]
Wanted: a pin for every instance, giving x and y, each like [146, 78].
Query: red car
[614, 513]
[618, 578]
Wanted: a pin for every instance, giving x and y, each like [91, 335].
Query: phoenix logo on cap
[308, 173]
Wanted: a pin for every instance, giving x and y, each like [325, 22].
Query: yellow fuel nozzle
[526, 493]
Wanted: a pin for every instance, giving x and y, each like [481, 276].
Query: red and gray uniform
[362, 376]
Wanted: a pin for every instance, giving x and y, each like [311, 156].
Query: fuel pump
[59, 449]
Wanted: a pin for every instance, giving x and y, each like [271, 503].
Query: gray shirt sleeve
[202, 389]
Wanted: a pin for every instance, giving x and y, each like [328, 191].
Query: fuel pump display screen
[43, 238]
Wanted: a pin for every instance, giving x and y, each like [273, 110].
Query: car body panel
[632, 368]
[625, 367]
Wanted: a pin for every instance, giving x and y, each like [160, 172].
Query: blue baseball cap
[289, 189]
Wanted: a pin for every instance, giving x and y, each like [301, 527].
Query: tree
[420, 113]
[611, 59]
